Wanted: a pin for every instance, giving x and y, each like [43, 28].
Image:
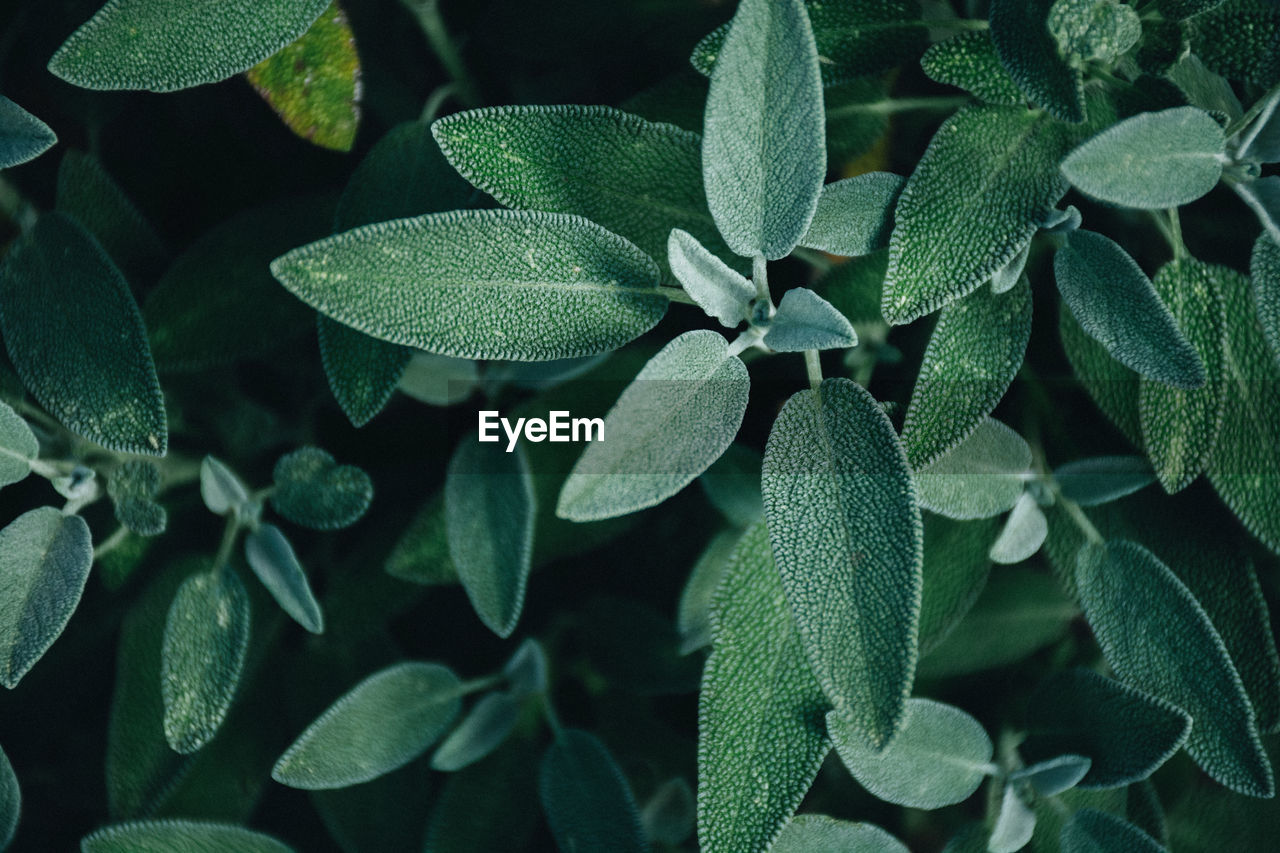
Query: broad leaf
[132, 488]
[716, 287]
[1094, 831]
[1102, 479]
[481, 731]
[382, 723]
[853, 215]
[1265, 270]
[501, 284]
[982, 476]
[89, 195]
[806, 321]
[1030, 53]
[586, 798]
[969, 61]
[363, 371]
[314, 491]
[18, 446]
[807, 833]
[23, 137]
[846, 532]
[272, 559]
[166, 836]
[956, 567]
[1053, 776]
[1023, 534]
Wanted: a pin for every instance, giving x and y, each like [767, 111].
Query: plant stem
[475, 685]
[1252, 113]
[435, 101]
[229, 535]
[958, 24]
[889, 106]
[760, 275]
[428, 14]
[813, 365]
[1175, 230]
[676, 294]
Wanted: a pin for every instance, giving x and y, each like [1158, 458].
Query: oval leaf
[272, 559]
[1023, 533]
[586, 797]
[806, 321]
[983, 476]
[969, 61]
[314, 491]
[166, 836]
[479, 733]
[1102, 479]
[1052, 777]
[808, 833]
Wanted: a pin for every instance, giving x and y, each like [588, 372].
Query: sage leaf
[1102, 479]
[489, 510]
[1053, 776]
[1265, 270]
[502, 284]
[421, 554]
[314, 491]
[45, 558]
[1029, 52]
[1113, 387]
[693, 616]
[88, 194]
[132, 488]
[1015, 824]
[381, 724]
[363, 371]
[162, 46]
[1148, 624]
[23, 137]
[1126, 733]
[1023, 534]
[1093, 30]
[1094, 831]
[166, 836]
[764, 154]
[956, 567]
[76, 338]
[806, 321]
[969, 61]
[481, 731]
[760, 711]
[1117, 305]
[670, 814]
[853, 215]
[675, 419]
[713, 284]
[973, 202]
[1239, 41]
[1262, 195]
[810, 832]
[846, 532]
[18, 446]
[974, 354]
[10, 801]
[272, 559]
[220, 488]
[940, 756]
[586, 798]
[982, 476]
[439, 380]
[732, 484]
[527, 669]
[1150, 161]
[1010, 275]
[206, 641]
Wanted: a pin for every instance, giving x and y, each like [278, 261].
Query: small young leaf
[693, 618]
[221, 489]
[76, 338]
[1262, 195]
[527, 669]
[18, 446]
[718, 289]
[1029, 52]
[586, 798]
[10, 801]
[675, 419]
[1265, 270]
[1093, 30]
[1094, 831]
[1150, 161]
[806, 321]
[23, 137]
[853, 215]
[982, 476]
[45, 558]
[1014, 826]
[764, 153]
[481, 731]
[732, 484]
[846, 531]
[1117, 305]
[956, 568]
[206, 640]
[132, 487]
[163, 46]
[1102, 479]
[88, 194]
[500, 284]
[808, 833]
[940, 756]
[1023, 533]
[166, 836]
[272, 559]
[314, 491]
[381, 724]
[1053, 776]
[969, 61]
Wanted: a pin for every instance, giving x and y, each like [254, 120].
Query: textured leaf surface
[1265, 269]
[206, 640]
[982, 476]
[1015, 824]
[1023, 534]
[189, 836]
[846, 531]
[272, 559]
[1240, 41]
[132, 487]
[89, 195]
[76, 338]
[853, 215]
[480, 732]
[23, 137]
[44, 563]
[1093, 30]
[421, 554]
[956, 567]
[1149, 625]
[764, 153]
[314, 491]
[969, 61]
[382, 723]
[1113, 387]
[586, 798]
[502, 284]
[1102, 479]
[761, 736]
[811, 832]
[693, 617]
[1029, 52]
[717, 288]
[10, 801]
[1094, 831]
[681, 412]
[807, 321]
[18, 446]
[162, 46]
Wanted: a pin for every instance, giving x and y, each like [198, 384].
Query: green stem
[436, 100]
[760, 275]
[959, 24]
[1252, 113]
[676, 294]
[229, 534]
[476, 685]
[428, 14]
[1077, 515]
[889, 106]
[1175, 229]
[813, 365]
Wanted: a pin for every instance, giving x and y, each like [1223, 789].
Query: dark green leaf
[1093, 831]
[982, 476]
[969, 61]
[1102, 479]
[1093, 30]
[363, 371]
[670, 814]
[853, 215]
[489, 807]
[806, 321]
[132, 487]
[23, 137]
[421, 555]
[1178, 9]
[1240, 41]
[1053, 776]
[1265, 269]
[586, 797]
[1112, 386]
[18, 446]
[168, 836]
[856, 118]
[88, 195]
[314, 491]
[1029, 52]
[481, 731]
[956, 567]
[808, 833]
[272, 559]
[732, 484]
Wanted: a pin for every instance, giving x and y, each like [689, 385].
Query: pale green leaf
[439, 380]
[846, 531]
[45, 558]
[1093, 831]
[132, 488]
[88, 194]
[1202, 87]
[1053, 776]
[1023, 534]
[314, 491]
[10, 801]
[1029, 52]
[76, 338]
[206, 641]
[382, 723]
[982, 476]
[481, 731]
[1014, 826]
[1259, 140]
[501, 284]
[272, 559]
[1011, 275]
[809, 833]
[969, 61]
[1262, 195]
[23, 137]
[1102, 479]
[693, 616]
[18, 446]
[162, 46]
[675, 419]
[716, 287]
[586, 798]
[1093, 30]
[806, 321]
[764, 154]
[1265, 270]
[956, 567]
[732, 484]
[221, 489]
[189, 836]
[940, 756]
[853, 215]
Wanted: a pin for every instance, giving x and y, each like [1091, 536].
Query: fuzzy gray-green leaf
[23, 137]
[492, 284]
[806, 321]
[314, 491]
[764, 153]
[162, 46]
[18, 446]
[132, 488]
[481, 731]
[809, 833]
[718, 289]
[1094, 831]
[1265, 271]
[969, 61]
[853, 215]
[272, 559]
[586, 798]
[166, 836]
[76, 338]
[382, 723]
[1093, 30]
[1023, 533]
[846, 531]
[982, 476]
[1029, 52]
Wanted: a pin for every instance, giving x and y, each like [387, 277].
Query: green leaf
[220, 488]
[1150, 161]
[1180, 427]
[1150, 626]
[1093, 831]
[1023, 533]
[481, 731]
[1203, 88]
[1113, 387]
[502, 284]
[675, 419]
[956, 567]
[45, 558]
[1239, 41]
[1029, 52]
[489, 511]
[1093, 30]
[363, 371]
[76, 338]
[162, 46]
[166, 836]
[853, 215]
[1117, 305]
[1265, 269]
[982, 476]
[439, 380]
[10, 801]
[18, 446]
[846, 531]
[586, 797]
[669, 816]
[717, 288]
[23, 137]
[1053, 776]
[1179, 9]
[856, 118]
[761, 736]
[313, 84]
[976, 350]
[132, 488]
[314, 491]
[1125, 732]
[1259, 140]
[806, 321]
[1102, 479]
[1014, 826]
[421, 554]
[206, 641]
[732, 484]
[272, 559]
[973, 202]
[969, 61]
[87, 193]
[489, 807]
[1262, 195]
[693, 617]
[807, 833]
[940, 756]
[381, 724]
[637, 178]
[764, 154]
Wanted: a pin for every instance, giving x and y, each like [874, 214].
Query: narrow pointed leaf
[1262, 195]
[717, 288]
[1023, 534]
[853, 215]
[693, 618]
[89, 195]
[1029, 52]
[18, 446]
[807, 321]
[311, 489]
[220, 488]
[421, 554]
[481, 731]
[488, 807]
[1053, 776]
[586, 798]
[272, 559]
[23, 137]
[1265, 271]
[363, 371]
[982, 476]
[807, 833]
[1094, 831]
[1102, 479]
[969, 61]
